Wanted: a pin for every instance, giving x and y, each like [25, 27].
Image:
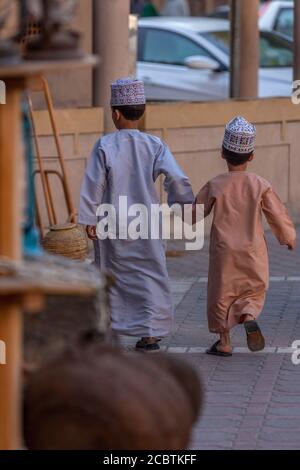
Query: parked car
[187, 59]
[278, 16]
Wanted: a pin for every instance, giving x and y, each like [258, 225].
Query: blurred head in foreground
[94, 397]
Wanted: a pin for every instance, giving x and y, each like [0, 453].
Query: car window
[166, 47]
[285, 22]
[275, 51]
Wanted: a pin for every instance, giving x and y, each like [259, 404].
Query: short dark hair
[131, 113]
[236, 159]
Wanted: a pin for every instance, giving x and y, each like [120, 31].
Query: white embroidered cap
[240, 136]
[128, 92]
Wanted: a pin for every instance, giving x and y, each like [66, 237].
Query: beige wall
[194, 132]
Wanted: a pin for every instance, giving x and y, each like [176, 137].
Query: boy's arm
[176, 183]
[204, 198]
[279, 219]
[93, 187]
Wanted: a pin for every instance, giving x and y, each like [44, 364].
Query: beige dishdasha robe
[239, 265]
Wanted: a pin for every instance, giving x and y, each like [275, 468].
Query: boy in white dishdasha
[128, 163]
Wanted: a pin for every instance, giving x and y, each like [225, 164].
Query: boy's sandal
[148, 345]
[213, 351]
[255, 339]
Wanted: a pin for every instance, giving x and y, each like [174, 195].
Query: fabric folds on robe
[239, 265]
[128, 163]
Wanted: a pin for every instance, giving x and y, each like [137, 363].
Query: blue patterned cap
[240, 136]
[128, 92]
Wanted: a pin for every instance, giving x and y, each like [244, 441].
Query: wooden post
[297, 41]
[244, 49]
[11, 175]
[10, 247]
[209, 6]
[111, 43]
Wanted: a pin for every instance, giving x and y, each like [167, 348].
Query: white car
[187, 59]
[278, 16]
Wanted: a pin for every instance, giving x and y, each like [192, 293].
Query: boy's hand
[91, 231]
[292, 246]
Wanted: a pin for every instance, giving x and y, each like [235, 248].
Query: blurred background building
[90, 14]
[191, 67]
[193, 127]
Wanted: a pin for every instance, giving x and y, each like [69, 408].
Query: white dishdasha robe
[127, 163]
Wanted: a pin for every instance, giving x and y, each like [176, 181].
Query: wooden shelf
[18, 286]
[49, 275]
[25, 68]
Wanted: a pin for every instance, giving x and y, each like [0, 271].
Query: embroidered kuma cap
[128, 92]
[240, 136]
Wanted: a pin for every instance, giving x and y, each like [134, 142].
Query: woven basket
[66, 240]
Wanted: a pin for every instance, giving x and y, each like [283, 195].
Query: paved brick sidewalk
[252, 401]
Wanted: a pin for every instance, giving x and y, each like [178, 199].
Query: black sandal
[213, 351]
[255, 339]
[148, 345]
